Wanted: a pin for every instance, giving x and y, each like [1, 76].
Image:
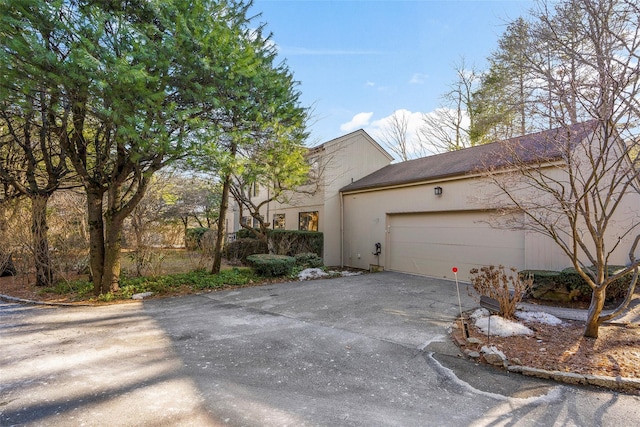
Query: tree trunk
[224, 205]
[39, 228]
[113, 245]
[593, 316]
[96, 240]
[185, 222]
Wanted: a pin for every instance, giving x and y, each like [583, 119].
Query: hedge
[292, 242]
[308, 260]
[271, 265]
[240, 249]
[247, 233]
[569, 282]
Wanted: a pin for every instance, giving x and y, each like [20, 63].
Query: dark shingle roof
[535, 147]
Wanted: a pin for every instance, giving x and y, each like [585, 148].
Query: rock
[493, 356]
[142, 295]
[516, 361]
[473, 340]
[472, 354]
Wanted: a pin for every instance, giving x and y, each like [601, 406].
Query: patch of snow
[539, 317]
[345, 273]
[501, 326]
[311, 273]
[141, 295]
[506, 328]
[350, 273]
[317, 273]
[477, 314]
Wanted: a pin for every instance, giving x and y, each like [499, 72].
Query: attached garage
[431, 244]
[436, 212]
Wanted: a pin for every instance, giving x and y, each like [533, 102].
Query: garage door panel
[431, 243]
[446, 235]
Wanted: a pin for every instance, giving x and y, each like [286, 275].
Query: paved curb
[613, 383]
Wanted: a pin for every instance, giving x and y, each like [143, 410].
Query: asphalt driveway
[368, 350]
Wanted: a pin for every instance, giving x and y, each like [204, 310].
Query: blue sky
[358, 61]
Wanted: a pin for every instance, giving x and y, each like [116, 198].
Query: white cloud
[358, 121]
[382, 130]
[414, 121]
[418, 79]
[369, 84]
[378, 128]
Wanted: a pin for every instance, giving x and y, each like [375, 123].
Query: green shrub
[292, 242]
[308, 260]
[271, 265]
[81, 288]
[240, 249]
[568, 285]
[247, 233]
[159, 285]
[615, 290]
[193, 238]
[199, 279]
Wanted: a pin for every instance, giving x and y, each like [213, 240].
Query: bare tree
[447, 128]
[394, 135]
[580, 202]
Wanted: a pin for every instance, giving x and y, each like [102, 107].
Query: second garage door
[431, 244]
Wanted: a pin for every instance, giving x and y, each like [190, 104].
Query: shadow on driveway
[370, 350]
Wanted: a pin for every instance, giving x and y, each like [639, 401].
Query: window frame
[306, 218]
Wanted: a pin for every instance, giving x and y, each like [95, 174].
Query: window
[250, 221]
[308, 221]
[278, 221]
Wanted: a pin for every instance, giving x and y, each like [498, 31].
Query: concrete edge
[613, 383]
[8, 298]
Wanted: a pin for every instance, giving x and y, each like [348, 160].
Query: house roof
[532, 148]
[362, 132]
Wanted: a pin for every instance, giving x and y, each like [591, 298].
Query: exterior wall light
[437, 191]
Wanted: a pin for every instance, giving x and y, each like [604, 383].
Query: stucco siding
[369, 215]
[410, 224]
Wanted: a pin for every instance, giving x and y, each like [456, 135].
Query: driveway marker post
[465, 327]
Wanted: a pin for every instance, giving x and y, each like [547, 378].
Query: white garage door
[431, 244]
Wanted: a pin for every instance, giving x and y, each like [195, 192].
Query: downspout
[341, 230]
